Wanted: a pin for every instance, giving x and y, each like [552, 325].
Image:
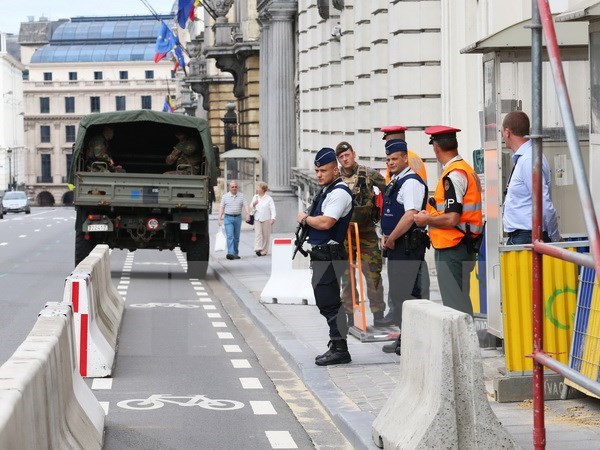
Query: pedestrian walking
[362, 182]
[402, 240]
[327, 227]
[518, 202]
[230, 213]
[454, 219]
[264, 218]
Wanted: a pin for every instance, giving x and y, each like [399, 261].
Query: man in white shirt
[518, 204]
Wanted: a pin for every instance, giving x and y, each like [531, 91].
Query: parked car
[15, 201]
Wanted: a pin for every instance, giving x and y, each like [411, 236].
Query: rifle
[302, 230]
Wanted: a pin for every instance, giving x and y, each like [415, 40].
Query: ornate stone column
[263, 94]
[278, 120]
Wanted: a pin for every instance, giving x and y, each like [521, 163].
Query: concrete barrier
[98, 310]
[440, 401]
[44, 402]
[290, 280]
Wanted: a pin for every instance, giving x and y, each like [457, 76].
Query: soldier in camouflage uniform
[97, 151]
[361, 180]
[186, 153]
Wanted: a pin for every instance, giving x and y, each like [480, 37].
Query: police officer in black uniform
[402, 241]
[327, 227]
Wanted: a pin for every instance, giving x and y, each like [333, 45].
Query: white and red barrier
[98, 310]
[290, 281]
[44, 402]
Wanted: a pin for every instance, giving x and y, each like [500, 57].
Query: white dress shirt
[265, 208]
[411, 193]
[518, 205]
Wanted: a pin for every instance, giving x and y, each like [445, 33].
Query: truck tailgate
[142, 190]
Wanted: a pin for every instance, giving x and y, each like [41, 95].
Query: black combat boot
[381, 322]
[327, 353]
[394, 347]
[339, 355]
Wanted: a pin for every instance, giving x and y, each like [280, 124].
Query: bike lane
[184, 376]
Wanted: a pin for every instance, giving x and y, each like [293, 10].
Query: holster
[327, 252]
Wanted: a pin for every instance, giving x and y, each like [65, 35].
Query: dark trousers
[454, 266]
[326, 286]
[522, 237]
[403, 269]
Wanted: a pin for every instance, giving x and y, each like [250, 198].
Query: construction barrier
[358, 305]
[98, 310]
[290, 281]
[441, 400]
[560, 301]
[44, 403]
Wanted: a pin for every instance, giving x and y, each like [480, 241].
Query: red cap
[393, 129]
[437, 130]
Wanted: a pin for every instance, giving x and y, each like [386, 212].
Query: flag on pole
[179, 59]
[185, 10]
[165, 42]
[168, 104]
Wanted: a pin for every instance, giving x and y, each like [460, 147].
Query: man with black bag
[403, 242]
[327, 225]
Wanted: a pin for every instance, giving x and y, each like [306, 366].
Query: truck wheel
[83, 247]
[197, 259]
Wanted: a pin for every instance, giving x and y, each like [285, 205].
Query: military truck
[148, 204]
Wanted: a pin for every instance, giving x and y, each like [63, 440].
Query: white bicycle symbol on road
[158, 401]
[163, 305]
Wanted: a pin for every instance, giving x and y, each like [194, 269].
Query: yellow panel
[560, 301]
[474, 290]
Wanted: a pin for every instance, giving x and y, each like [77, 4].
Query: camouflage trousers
[371, 269]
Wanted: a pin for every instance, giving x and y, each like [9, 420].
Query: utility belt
[327, 252]
[414, 240]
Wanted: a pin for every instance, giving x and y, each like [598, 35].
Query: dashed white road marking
[205, 300]
[48, 226]
[3, 244]
[209, 307]
[225, 335]
[202, 294]
[196, 283]
[213, 315]
[281, 439]
[102, 383]
[232, 349]
[104, 407]
[36, 231]
[219, 324]
[124, 281]
[241, 364]
[251, 383]
[23, 236]
[262, 408]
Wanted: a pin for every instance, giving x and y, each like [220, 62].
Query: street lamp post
[10, 180]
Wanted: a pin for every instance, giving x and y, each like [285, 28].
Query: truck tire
[83, 247]
[197, 259]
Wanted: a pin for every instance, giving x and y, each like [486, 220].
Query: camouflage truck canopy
[142, 140]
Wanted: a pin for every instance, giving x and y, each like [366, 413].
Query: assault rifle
[302, 230]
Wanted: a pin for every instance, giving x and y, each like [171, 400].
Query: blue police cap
[325, 156]
[395, 145]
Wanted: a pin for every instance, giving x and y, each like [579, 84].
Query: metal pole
[539, 431]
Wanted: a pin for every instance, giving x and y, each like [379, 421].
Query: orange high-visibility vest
[471, 213]
[416, 164]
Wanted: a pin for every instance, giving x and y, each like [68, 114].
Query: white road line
[251, 383]
[36, 231]
[225, 335]
[102, 383]
[205, 300]
[219, 325]
[199, 288]
[213, 315]
[280, 439]
[262, 408]
[3, 244]
[125, 278]
[196, 283]
[232, 349]
[209, 307]
[241, 364]
[202, 294]
[23, 236]
[48, 226]
[104, 407]
[124, 282]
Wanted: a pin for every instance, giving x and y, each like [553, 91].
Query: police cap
[392, 129]
[441, 132]
[325, 156]
[395, 145]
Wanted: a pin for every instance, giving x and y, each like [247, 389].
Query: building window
[120, 103]
[47, 76]
[97, 75]
[146, 102]
[69, 104]
[95, 104]
[44, 105]
[72, 76]
[70, 133]
[44, 133]
[46, 169]
[123, 75]
[149, 74]
[69, 159]
[172, 74]
[26, 75]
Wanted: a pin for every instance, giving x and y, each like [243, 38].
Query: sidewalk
[354, 393]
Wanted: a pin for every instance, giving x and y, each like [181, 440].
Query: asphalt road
[185, 376]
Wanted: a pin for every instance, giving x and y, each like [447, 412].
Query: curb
[353, 423]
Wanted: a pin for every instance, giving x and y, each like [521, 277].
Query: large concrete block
[440, 401]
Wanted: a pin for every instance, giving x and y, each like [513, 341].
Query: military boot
[379, 321]
[339, 355]
[394, 347]
[327, 353]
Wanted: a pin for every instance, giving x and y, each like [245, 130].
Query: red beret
[436, 130]
[393, 129]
